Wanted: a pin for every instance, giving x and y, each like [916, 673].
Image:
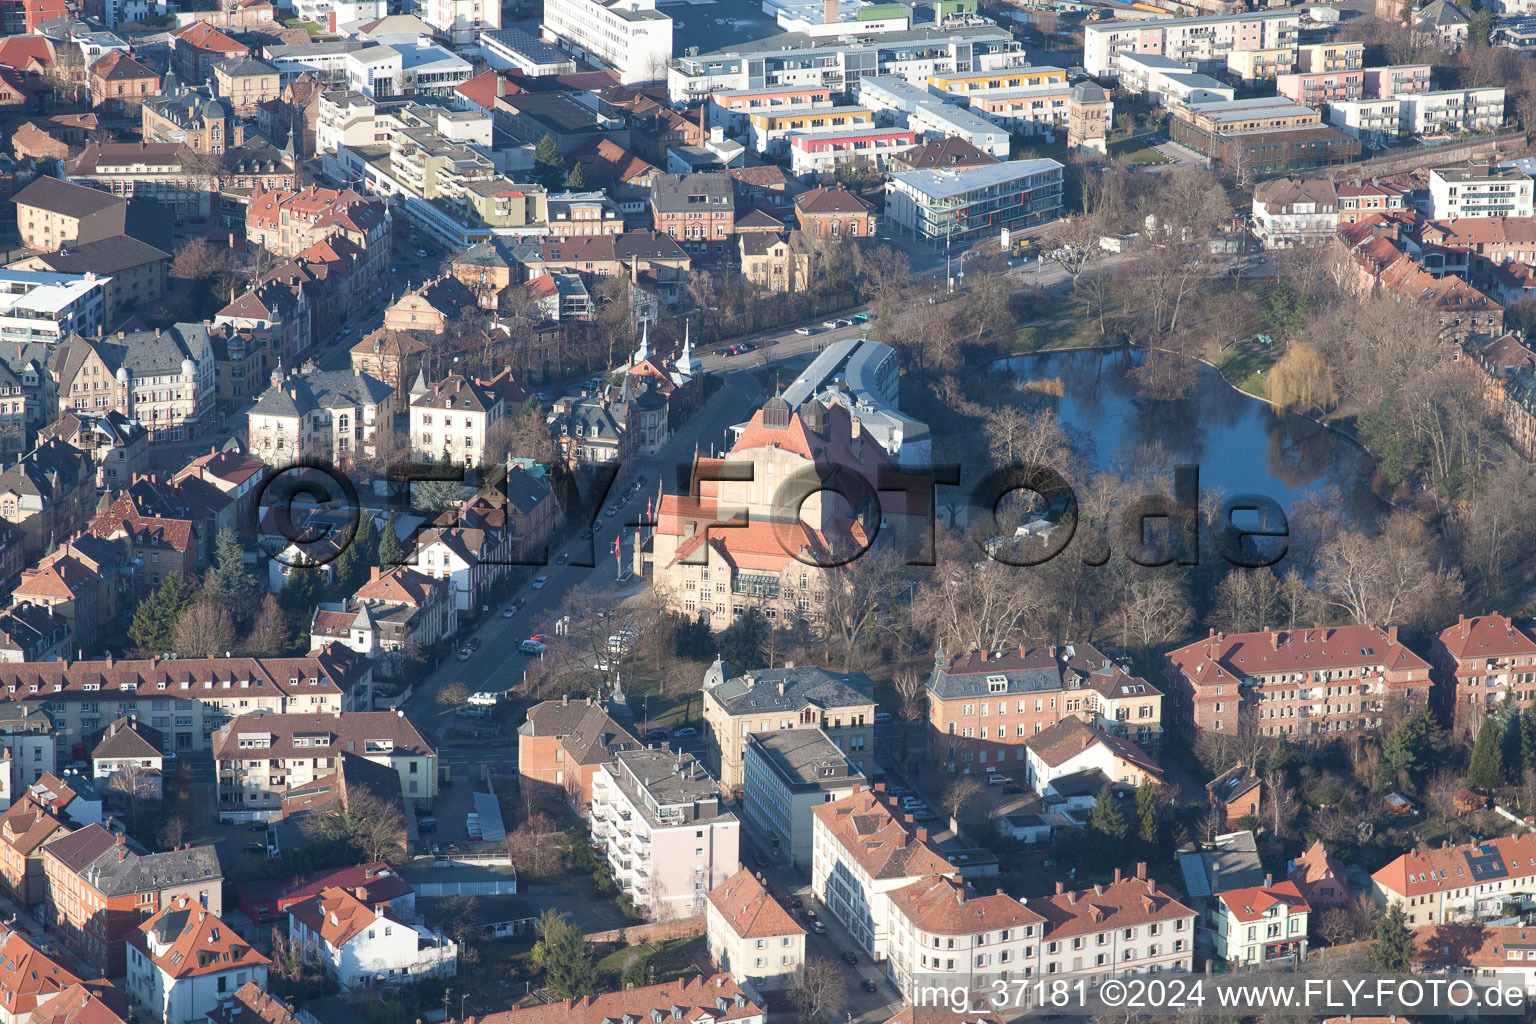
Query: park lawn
[1247, 371]
[666, 961]
[1072, 334]
[1137, 151]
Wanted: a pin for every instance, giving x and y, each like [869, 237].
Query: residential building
[1331, 56]
[752, 936]
[1235, 794]
[1252, 67]
[471, 547]
[163, 380]
[1483, 953]
[1205, 40]
[37, 306]
[245, 83]
[1299, 683]
[1479, 190]
[163, 171]
[654, 256]
[1292, 212]
[1130, 926]
[452, 419]
[461, 23]
[1321, 879]
[937, 153]
[717, 998]
[327, 414]
[785, 775]
[133, 273]
[561, 746]
[250, 1004]
[29, 978]
[52, 214]
[1317, 88]
[180, 115]
[25, 827]
[1469, 882]
[187, 699]
[393, 358]
[1260, 926]
[363, 945]
[198, 47]
[287, 223]
[1481, 664]
[863, 849]
[944, 933]
[1071, 751]
[984, 706]
[1446, 21]
[795, 697]
[820, 153]
[80, 1005]
[101, 886]
[962, 205]
[697, 210]
[777, 263]
[392, 618]
[132, 749]
[297, 749]
[596, 429]
[375, 884]
[771, 130]
[47, 494]
[650, 808]
[1448, 111]
[120, 84]
[1359, 200]
[153, 541]
[1169, 82]
[184, 962]
[1397, 79]
[632, 37]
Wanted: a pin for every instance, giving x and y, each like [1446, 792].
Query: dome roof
[214, 109]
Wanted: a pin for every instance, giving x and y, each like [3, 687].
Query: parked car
[255, 848]
[861, 318]
[508, 612]
[868, 985]
[849, 958]
[829, 324]
[818, 928]
[686, 732]
[562, 558]
[426, 826]
[421, 254]
[843, 321]
[998, 780]
[538, 582]
[1012, 790]
[883, 716]
[656, 734]
[464, 653]
[473, 643]
[807, 331]
[530, 647]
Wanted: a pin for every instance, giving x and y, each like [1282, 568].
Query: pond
[1240, 444]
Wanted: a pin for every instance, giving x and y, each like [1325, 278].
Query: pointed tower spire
[644, 351]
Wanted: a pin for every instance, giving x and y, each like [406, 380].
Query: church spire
[644, 351]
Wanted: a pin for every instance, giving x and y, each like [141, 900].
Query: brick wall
[661, 931]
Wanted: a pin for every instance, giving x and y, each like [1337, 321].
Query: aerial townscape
[746, 511]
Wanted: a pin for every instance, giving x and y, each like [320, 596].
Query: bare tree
[1281, 800]
[1074, 245]
[820, 989]
[958, 794]
[536, 846]
[135, 784]
[370, 825]
[205, 630]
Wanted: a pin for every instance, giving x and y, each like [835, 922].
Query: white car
[538, 583]
[484, 698]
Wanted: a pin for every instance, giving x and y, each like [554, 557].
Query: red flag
[617, 557]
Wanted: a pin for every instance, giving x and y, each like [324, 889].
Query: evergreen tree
[228, 579]
[1528, 738]
[357, 557]
[569, 969]
[741, 645]
[1392, 949]
[1106, 819]
[153, 629]
[304, 589]
[577, 182]
[549, 163]
[1409, 752]
[1146, 816]
[1510, 751]
[390, 551]
[1486, 769]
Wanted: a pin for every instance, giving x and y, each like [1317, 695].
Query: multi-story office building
[960, 206]
[1295, 683]
[461, 23]
[1479, 190]
[664, 830]
[630, 36]
[37, 306]
[796, 60]
[786, 775]
[1207, 40]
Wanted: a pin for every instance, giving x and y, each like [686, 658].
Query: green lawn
[1247, 371]
[1137, 151]
[315, 31]
[1078, 334]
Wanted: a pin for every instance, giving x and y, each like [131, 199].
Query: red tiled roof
[76, 1005]
[204, 36]
[749, 910]
[192, 942]
[1486, 636]
[716, 998]
[1226, 657]
[1421, 872]
[28, 976]
[885, 846]
[946, 906]
[1250, 904]
[1124, 904]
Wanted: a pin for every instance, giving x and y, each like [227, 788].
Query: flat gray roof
[956, 181]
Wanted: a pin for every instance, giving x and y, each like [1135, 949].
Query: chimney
[960, 896]
[922, 835]
[1060, 888]
[878, 787]
[1117, 876]
[1072, 899]
[1141, 869]
[1098, 890]
[373, 573]
[565, 699]
[1274, 640]
[829, 12]
[1391, 634]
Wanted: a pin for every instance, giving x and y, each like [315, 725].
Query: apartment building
[1260, 926]
[1316, 88]
[1319, 58]
[1480, 190]
[820, 153]
[1465, 883]
[25, 828]
[41, 307]
[166, 381]
[326, 414]
[260, 757]
[632, 37]
[752, 936]
[1481, 664]
[1292, 212]
[1297, 683]
[984, 706]
[916, 54]
[795, 697]
[101, 886]
[561, 746]
[185, 962]
[52, 214]
[186, 699]
[1072, 752]
[29, 978]
[786, 775]
[963, 205]
[768, 131]
[1397, 80]
[45, 495]
[361, 942]
[451, 419]
[396, 612]
[862, 849]
[664, 831]
[1448, 111]
[286, 223]
[1131, 926]
[1207, 40]
[1372, 121]
[1252, 67]
[697, 210]
[461, 23]
[943, 933]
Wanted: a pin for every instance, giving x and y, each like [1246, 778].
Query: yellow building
[1261, 65]
[998, 81]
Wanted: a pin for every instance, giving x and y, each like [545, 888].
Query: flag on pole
[617, 557]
